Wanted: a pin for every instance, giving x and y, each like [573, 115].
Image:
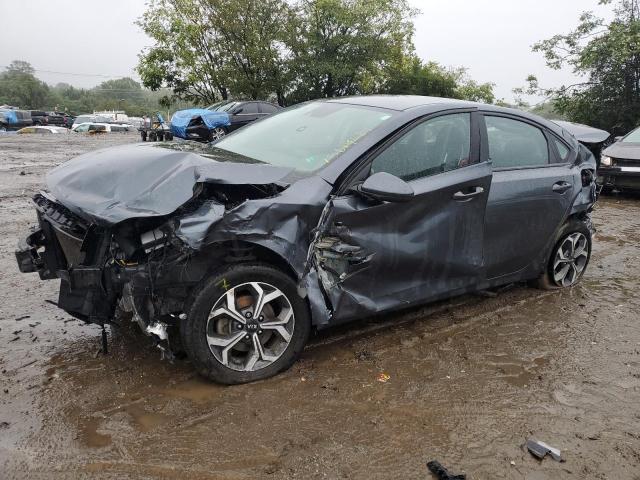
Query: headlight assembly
[606, 161]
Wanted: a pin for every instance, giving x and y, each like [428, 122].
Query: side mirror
[386, 188]
[237, 111]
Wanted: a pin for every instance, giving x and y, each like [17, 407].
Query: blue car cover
[10, 116]
[211, 119]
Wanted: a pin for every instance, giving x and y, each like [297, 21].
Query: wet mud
[465, 382]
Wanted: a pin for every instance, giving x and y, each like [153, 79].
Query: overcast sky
[89, 41]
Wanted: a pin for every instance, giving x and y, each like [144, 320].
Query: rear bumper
[626, 177]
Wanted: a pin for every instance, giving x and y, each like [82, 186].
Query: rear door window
[250, 108]
[267, 108]
[514, 144]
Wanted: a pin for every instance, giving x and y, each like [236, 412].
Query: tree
[18, 86]
[607, 58]
[344, 47]
[206, 48]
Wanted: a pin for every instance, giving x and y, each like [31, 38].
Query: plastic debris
[383, 378]
[540, 450]
[439, 471]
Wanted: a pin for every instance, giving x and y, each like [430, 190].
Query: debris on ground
[4, 425]
[441, 473]
[540, 450]
[383, 378]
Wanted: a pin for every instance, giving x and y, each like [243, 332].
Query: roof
[399, 102]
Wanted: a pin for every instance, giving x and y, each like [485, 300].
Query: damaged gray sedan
[323, 213]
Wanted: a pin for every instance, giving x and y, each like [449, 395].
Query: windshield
[633, 137]
[306, 137]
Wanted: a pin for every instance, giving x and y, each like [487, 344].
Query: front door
[379, 256]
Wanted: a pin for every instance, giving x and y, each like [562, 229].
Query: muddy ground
[470, 380]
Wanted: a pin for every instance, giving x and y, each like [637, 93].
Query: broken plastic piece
[439, 471]
[540, 450]
[105, 350]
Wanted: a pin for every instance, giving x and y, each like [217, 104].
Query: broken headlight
[606, 161]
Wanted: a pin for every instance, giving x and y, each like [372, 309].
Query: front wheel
[569, 257]
[246, 323]
[217, 133]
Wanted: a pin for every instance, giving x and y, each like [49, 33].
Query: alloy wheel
[217, 133]
[250, 326]
[570, 259]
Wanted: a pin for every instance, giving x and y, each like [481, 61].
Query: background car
[94, 127]
[39, 117]
[11, 119]
[217, 120]
[330, 211]
[620, 164]
[42, 129]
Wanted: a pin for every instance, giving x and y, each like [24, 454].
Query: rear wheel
[152, 136]
[246, 323]
[143, 136]
[160, 136]
[569, 257]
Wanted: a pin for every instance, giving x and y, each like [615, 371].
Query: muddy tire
[152, 136]
[168, 136]
[246, 323]
[143, 136]
[569, 257]
[160, 136]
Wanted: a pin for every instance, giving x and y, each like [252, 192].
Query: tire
[168, 136]
[160, 136]
[577, 233]
[284, 315]
[217, 133]
[143, 135]
[152, 136]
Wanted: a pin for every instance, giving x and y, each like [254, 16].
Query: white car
[42, 130]
[101, 127]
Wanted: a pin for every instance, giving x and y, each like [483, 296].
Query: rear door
[379, 256]
[531, 193]
[246, 113]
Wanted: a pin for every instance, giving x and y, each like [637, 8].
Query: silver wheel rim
[217, 133]
[250, 326]
[570, 260]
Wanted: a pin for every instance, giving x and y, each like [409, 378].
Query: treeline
[291, 51]
[20, 87]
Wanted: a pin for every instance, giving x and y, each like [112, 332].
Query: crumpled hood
[146, 180]
[629, 151]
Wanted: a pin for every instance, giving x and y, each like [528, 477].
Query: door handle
[561, 187]
[472, 192]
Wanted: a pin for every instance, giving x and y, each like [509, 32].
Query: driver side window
[434, 146]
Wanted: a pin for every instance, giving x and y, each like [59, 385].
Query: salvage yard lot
[470, 380]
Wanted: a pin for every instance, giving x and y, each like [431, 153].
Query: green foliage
[19, 87]
[607, 56]
[291, 50]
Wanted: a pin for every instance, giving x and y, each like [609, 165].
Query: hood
[584, 133]
[147, 180]
[629, 151]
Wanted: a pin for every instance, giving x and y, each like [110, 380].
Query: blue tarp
[10, 116]
[211, 119]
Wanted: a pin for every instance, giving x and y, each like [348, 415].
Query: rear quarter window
[514, 144]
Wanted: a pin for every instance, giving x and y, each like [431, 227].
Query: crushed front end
[138, 265]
